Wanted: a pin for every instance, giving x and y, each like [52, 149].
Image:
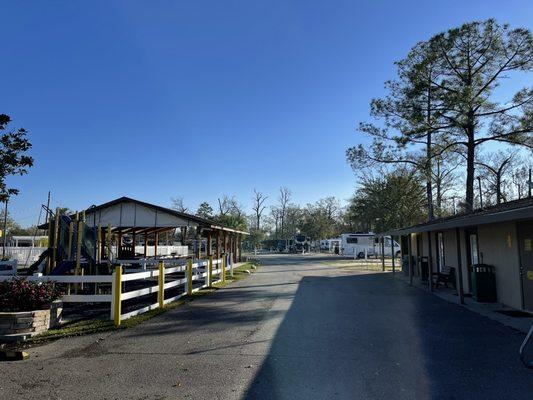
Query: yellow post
[189, 276]
[209, 270]
[118, 294]
[161, 293]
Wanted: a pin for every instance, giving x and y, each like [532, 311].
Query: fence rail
[200, 270]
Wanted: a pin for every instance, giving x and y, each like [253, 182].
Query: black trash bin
[423, 264]
[484, 283]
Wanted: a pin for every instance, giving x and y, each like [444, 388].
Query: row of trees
[280, 218]
[442, 126]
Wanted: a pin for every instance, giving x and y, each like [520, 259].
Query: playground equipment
[72, 245]
[91, 242]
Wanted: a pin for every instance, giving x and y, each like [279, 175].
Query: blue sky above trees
[166, 99]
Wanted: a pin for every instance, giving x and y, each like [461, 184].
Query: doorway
[525, 246]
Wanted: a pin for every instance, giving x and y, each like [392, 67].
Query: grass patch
[362, 265]
[95, 325]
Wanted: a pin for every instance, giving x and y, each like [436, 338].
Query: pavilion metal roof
[127, 214]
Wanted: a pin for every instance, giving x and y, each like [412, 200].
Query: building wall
[450, 254]
[498, 246]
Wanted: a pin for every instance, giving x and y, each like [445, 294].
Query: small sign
[530, 275]
[528, 244]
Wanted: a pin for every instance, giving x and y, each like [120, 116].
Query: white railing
[24, 255]
[205, 270]
[161, 250]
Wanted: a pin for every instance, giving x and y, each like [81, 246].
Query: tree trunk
[429, 180]
[470, 171]
[498, 188]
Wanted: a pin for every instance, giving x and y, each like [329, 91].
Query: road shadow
[372, 337]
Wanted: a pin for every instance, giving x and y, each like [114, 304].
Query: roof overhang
[473, 219]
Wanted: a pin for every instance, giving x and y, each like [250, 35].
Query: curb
[13, 355]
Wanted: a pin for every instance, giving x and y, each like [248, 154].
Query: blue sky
[161, 99]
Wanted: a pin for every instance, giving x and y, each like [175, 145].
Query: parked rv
[301, 244]
[355, 244]
[329, 245]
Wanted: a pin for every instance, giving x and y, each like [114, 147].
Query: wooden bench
[445, 276]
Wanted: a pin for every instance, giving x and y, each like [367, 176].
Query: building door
[525, 245]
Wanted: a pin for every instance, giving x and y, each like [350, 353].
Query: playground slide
[35, 266]
[66, 266]
[63, 267]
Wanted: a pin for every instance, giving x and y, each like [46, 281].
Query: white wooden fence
[203, 270]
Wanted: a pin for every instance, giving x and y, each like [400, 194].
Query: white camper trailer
[329, 245]
[357, 244]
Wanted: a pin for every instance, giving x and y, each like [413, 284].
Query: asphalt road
[296, 329]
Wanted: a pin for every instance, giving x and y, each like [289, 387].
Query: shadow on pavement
[372, 337]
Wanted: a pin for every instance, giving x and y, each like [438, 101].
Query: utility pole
[5, 230]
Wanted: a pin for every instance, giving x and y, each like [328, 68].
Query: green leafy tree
[205, 211]
[474, 60]
[388, 201]
[444, 101]
[14, 159]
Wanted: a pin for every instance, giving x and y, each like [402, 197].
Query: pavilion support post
[103, 242]
[383, 253]
[430, 264]
[184, 236]
[156, 242]
[232, 246]
[240, 247]
[393, 256]
[198, 244]
[218, 244]
[145, 244]
[119, 244]
[225, 240]
[459, 277]
[209, 243]
[410, 253]
[133, 238]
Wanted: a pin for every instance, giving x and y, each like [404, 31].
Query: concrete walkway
[296, 329]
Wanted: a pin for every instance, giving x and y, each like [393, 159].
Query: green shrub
[21, 295]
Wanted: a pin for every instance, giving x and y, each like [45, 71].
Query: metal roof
[128, 213]
[510, 211]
